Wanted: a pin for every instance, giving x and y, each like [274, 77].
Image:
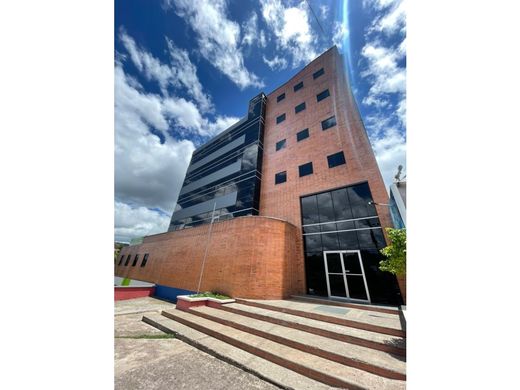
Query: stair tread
[355, 352]
[341, 329]
[362, 316]
[264, 368]
[352, 375]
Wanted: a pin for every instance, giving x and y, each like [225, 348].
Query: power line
[317, 21]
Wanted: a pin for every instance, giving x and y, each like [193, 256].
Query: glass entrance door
[345, 275]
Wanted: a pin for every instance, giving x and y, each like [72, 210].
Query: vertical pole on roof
[207, 246]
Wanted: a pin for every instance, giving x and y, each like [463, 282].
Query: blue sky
[185, 70]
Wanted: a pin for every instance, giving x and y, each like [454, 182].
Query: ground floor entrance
[345, 275]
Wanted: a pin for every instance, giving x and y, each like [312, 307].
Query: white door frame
[341, 252]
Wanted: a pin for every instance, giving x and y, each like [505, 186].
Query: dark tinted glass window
[328, 123]
[329, 241]
[310, 210]
[336, 159]
[145, 259]
[135, 260]
[359, 196]
[280, 97]
[121, 260]
[305, 169]
[299, 107]
[280, 144]
[298, 86]
[280, 118]
[323, 95]
[127, 260]
[313, 243]
[348, 240]
[280, 177]
[302, 134]
[341, 207]
[317, 74]
[326, 211]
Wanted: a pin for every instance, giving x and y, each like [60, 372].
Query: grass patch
[209, 294]
[148, 336]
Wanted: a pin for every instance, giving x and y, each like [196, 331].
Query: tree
[395, 253]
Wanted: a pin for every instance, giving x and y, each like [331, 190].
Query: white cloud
[387, 75]
[339, 34]
[277, 63]
[324, 11]
[390, 151]
[251, 32]
[394, 20]
[218, 38]
[132, 222]
[292, 29]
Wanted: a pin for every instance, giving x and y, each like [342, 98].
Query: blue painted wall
[170, 293]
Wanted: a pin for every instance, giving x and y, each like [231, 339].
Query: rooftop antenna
[397, 177]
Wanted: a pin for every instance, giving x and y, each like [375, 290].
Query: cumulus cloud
[292, 29]
[339, 34]
[132, 222]
[218, 38]
[277, 63]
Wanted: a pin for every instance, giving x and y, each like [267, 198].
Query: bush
[395, 253]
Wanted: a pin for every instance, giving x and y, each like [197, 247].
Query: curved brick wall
[248, 257]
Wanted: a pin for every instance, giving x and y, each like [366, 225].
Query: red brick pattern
[349, 135]
[249, 257]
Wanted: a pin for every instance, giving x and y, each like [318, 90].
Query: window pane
[298, 86]
[334, 263]
[341, 207]
[328, 123]
[121, 259]
[313, 243]
[145, 259]
[359, 197]
[280, 97]
[302, 135]
[336, 159]
[135, 260]
[280, 145]
[328, 227]
[323, 95]
[280, 177]
[299, 107]
[127, 260]
[348, 240]
[329, 241]
[280, 118]
[317, 74]
[305, 169]
[310, 210]
[326, 211]
[356, 287]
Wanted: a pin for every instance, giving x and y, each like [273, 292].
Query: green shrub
[395, 253]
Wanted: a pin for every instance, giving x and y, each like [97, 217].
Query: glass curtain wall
[343, 219]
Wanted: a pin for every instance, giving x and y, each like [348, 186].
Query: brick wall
[283, 200]
[248, 257]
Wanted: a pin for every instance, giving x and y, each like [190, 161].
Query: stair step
[264, 369]
[312, 366]
[377, 341]
[308, 310]
[376, 362]
[359, 306]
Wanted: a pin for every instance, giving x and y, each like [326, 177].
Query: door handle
[347, 270]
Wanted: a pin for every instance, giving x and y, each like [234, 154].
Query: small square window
[135, 260]
[280, 97]
[145, 259]
[280, 177]
[298, 86]
[280, 145]
[317, 74]
[322, 95]
[301, 135]
[299, 107]
[280, 118]
[127, 260]
[121, 260]
[328, 123]
[305, 169]
[336, 159]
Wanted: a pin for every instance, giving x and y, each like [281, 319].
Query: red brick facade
[249, 257]
[283, 200]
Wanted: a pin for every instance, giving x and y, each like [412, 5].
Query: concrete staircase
[298, 344]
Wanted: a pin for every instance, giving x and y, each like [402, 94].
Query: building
[397, 202]
[278, 204]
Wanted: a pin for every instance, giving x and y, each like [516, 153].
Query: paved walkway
[143, 360]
